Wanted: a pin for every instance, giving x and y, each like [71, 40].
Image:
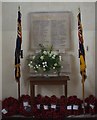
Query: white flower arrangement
[45, 60]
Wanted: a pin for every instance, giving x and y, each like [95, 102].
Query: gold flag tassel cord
[18, 70]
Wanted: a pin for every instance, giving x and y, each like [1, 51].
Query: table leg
[65, 88]
[32, 93]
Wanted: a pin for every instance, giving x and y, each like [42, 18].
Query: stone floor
[79, 117]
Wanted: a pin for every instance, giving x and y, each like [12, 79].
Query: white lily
[53, 67]
[45, 52]
[42, 57]
[33, 57]
[55, 64]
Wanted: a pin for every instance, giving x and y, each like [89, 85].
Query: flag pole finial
[18, 8]
[79, 9]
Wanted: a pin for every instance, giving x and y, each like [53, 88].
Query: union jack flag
[18, 46]
[81, 49]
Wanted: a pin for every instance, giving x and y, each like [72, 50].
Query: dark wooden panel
[67, 118]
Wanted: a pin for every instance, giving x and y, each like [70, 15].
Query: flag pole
[18, 52]
[82, 58]
[19, 89]
[19, 78]
[83, 93]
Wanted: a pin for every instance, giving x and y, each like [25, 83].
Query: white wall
[9, 38]
[0, 50]
[95, 49]
[0, 56]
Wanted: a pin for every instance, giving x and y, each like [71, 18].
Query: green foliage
[45, 60]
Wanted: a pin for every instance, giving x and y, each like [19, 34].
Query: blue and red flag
[81, 49]
[18, 47]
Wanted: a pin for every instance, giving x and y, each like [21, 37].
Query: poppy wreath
[10, 106]
[73, 105]
[69, 110]
[25, 105]
[38, 106]
[63, 106]
[46, 107]
[92, 104]
[77, 108]
[86, 105]
[53, 102]
[55, 110]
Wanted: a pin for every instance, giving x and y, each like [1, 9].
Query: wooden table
[47, 80]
